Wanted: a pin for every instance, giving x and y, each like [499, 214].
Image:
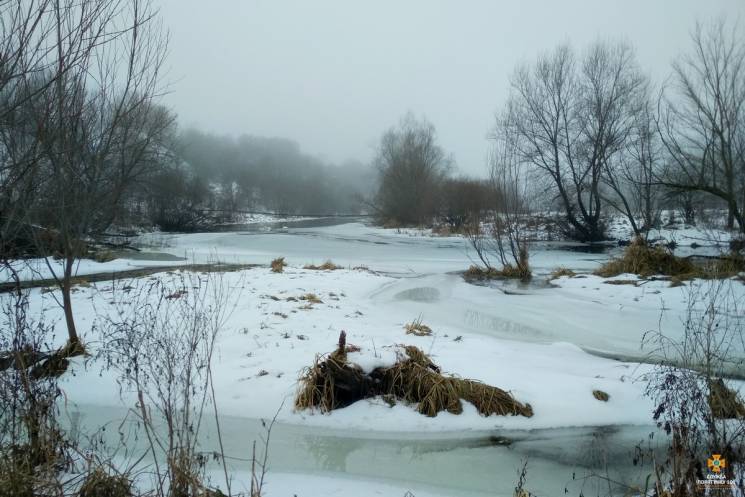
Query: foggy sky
[335, 74]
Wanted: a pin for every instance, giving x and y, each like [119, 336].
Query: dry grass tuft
[101, 484]
[326, 266]
[476, 273]
[331, 383]
[509, 271]
[278, 265]
[724, 402]
[643, 260]
[418, 328]
[561, 271]
[311, 298]
[639, 258]
[600, 395]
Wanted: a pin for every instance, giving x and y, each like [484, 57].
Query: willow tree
[412, 166]
[702, 123]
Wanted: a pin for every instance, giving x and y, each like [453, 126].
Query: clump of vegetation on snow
[278, 265]
[418, 328]
[333, 382]
[560, 272]
[600, 395]
[647, 260]
[326, 266]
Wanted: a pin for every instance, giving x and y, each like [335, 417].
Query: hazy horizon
[333, 76]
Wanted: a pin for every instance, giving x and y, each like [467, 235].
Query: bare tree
[631, 177]
[500, 233]
[94, 126]
[702, 119]
[571, 121]
[412, 166]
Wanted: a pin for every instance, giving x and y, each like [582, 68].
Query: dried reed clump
[418, 328]
[724, 402]
[331, 383]
[561, 271]
[477, 273]
[639, 258]
[101, 484]
[185, 478]
[326, 266]
[311, 298]
[644, 260]
[278, 265]
[508, 271]
[16, 473]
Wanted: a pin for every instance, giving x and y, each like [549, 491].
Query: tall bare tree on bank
[702, 119]
[411, 166]
[571, 120]
[95, 126]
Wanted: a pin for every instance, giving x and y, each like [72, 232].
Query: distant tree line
[215, 178]
[593, 136]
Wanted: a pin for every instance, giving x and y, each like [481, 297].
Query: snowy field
[542, 341]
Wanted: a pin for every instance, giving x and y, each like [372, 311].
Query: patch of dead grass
[311, 298]
[724, 402]
[418, 328]
[509, 271]
[331, 383]
[641, 259]
[278, 265]
[561, 271]
[326, 266]
[600, 395]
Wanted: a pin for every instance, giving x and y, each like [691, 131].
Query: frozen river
[355, 244]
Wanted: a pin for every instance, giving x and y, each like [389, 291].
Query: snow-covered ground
[270, 339]
[532, 340]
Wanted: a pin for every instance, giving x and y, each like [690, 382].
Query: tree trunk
[67, 301]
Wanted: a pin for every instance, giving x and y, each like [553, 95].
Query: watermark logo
[716, 463]
[716, 477]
